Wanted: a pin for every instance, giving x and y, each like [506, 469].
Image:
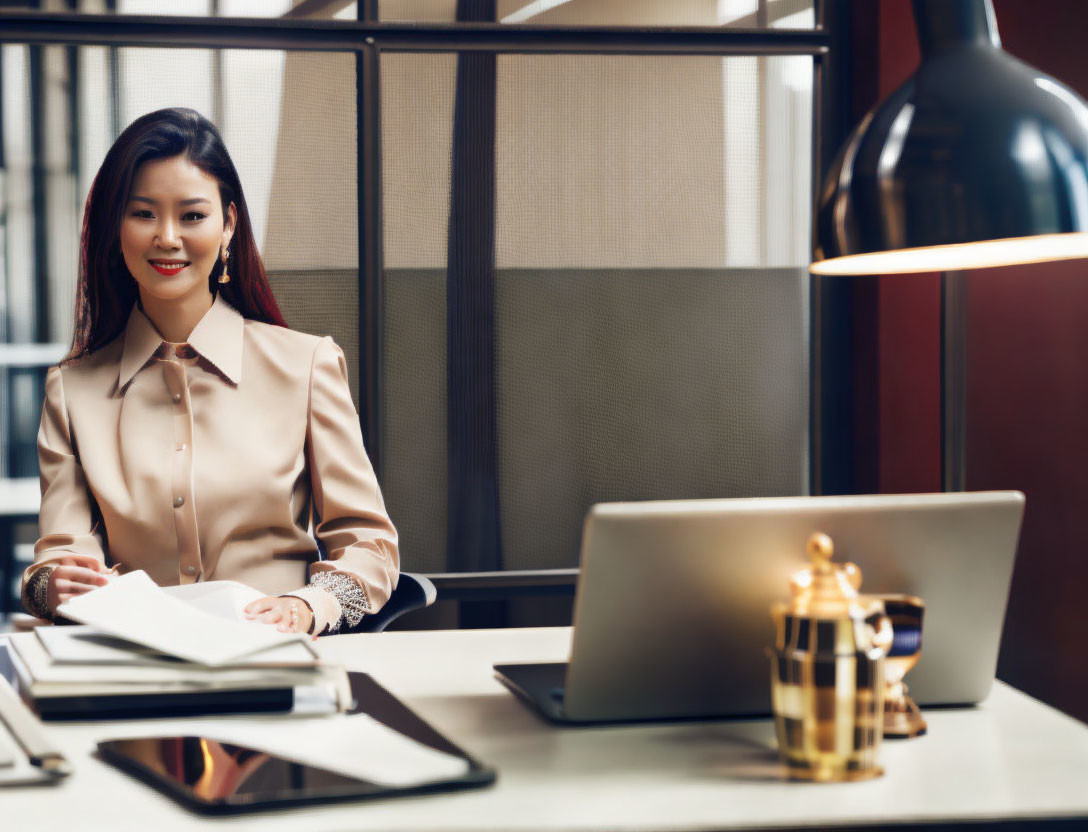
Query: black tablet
[221, 778]
[218, 777]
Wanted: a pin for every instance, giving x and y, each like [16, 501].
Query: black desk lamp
[978, 160]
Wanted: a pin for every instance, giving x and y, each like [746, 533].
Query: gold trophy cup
[902, 717]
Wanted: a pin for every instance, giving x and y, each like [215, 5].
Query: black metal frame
[367, 37]
[831, 377]
[369, 195]
[37, 173]
[347, 35]
[484, 586]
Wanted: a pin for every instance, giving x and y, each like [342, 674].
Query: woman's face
[173, 229]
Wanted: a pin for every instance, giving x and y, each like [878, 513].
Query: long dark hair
[107, 291]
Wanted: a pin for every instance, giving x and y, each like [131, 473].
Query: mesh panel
[417, 119]
[613, 385]
[650, 300]
[413, 407]
[313, 207]
[417, 116]
[642, 385]
[611, 161]
[323, 303]
[311, 245]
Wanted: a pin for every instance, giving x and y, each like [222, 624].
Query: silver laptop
[672, 615]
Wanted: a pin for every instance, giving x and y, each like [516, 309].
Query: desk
[1010, 758]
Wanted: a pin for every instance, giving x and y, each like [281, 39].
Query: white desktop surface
[1012, 757]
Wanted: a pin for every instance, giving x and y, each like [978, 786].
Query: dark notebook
[145, 704]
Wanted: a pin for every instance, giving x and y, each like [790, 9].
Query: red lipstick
[168, 267]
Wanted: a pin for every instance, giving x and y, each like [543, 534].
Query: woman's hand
[73, 576]
[289, 614]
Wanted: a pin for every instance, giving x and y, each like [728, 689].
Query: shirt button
[190, 570]
[182, 446]
[179, 502]
[177, 397]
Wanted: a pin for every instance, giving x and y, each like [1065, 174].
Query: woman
[188, 432]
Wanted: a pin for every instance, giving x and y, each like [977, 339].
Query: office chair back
[413, 592]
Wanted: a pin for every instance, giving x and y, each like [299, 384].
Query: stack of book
[145, 651]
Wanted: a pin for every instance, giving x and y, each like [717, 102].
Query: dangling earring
[225, 276]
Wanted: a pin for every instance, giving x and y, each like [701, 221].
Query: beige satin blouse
[204, 461]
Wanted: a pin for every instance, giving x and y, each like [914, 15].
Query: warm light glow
[982, 255]
[204, 786]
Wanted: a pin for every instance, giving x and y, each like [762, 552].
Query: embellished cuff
[36, 593]
[349, 594]
[336, 599]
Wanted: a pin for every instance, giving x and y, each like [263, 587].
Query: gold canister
[827, 672]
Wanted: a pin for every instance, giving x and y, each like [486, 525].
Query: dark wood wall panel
[1027, 399]
[1027, 347]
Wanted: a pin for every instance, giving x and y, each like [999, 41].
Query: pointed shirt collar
[216, 338]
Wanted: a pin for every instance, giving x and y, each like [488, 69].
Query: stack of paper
[144, 650]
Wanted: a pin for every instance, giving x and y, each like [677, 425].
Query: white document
[49, 677]
[133, 607]
[83, 644]
[86, 645]
[355, 744]
[226, 599]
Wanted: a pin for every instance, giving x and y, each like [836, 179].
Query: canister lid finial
[820, 549]
[825, 590]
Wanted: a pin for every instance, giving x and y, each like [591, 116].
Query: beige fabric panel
[609, 161]
[313, 207]
[417, 135]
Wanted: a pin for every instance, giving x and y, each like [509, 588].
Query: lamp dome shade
[977, 160]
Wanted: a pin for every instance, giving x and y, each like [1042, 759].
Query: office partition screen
[645, 304]
[565, 255]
